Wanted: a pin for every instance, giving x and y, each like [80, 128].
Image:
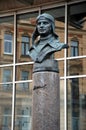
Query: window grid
[60, 77]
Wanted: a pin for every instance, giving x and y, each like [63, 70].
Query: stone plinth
[46, 100]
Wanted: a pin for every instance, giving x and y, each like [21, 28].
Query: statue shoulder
[54, 42]
[58, 45]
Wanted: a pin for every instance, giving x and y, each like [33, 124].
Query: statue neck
[46, 37]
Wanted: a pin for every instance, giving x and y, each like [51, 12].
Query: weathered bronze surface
[48, 43]
[46, 65]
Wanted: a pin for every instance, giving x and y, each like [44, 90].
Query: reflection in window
[75, 103]
[24, 76]
[24, 123]
[74, 48]
[83, 101]
[8, 43]
[7, 75]
[25, 44]
[6, 118]
[7, 78]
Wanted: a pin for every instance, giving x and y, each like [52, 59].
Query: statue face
[44, 26]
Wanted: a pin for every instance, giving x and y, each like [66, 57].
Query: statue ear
[34, 35]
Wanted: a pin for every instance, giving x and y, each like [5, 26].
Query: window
[75, 103]
[25, 44]
[6, 118]
[74, 48]
[24, 76]
[7, 78]
[8, 44]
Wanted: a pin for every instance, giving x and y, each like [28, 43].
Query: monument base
[46, 101]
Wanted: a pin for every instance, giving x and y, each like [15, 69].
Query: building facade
[17, 23]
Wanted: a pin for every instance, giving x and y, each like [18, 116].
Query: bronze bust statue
[44, 39]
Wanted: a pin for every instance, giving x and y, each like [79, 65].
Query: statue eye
[39, 23]
[45, 22]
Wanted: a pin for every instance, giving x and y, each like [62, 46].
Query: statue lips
[42, 30]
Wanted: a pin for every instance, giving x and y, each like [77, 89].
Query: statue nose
[41, 25]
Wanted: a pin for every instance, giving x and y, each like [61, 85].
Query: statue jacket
[40, 50]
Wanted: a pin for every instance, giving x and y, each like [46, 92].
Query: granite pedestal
[46, 96]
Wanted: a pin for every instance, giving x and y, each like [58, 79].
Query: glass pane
[6, 75]
[77, 27]
[6, 39]
[25, 38]
[24, 72]
[77, 104]
[22, 49]
[58, 14]
[5, 107]
[23, 109]
[77, 66]
[25, 27]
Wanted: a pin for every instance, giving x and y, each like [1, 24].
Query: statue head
[50, 19]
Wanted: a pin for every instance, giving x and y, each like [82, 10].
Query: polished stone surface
[46, 101]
